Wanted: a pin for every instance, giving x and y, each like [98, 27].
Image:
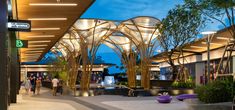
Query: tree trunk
[145, 76]
[131, 71]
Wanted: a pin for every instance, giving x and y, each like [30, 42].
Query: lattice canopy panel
[143, 31]
[120, 44]
[93, 31]
[68, 45]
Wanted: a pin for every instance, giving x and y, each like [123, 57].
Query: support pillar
[199, 71]
[3, 56]
[14, 74]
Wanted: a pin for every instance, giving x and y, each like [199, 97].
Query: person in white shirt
[55, 82]
[27, 85]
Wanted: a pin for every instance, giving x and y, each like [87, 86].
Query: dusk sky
[123, 10]
[126, 9]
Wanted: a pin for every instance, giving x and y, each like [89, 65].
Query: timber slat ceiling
[46, 39]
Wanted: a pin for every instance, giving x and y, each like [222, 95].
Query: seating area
[168, 98]
[186, 96]
[164, 99]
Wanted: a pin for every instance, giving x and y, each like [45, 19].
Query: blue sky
[126, 9]
[123, 10]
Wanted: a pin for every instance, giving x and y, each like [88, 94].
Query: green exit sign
[21, 43]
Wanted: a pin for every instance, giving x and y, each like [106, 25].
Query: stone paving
[117, 102]
[45, 101]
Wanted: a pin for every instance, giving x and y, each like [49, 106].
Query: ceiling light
[208, 32]
[213, 43]
[31, 55]
[44, 29]
[35, 48]
[43, 45]
[42, 36]
[53, 4]
[32, 52]
[190, 50]
[224, 38]
[39, 41]
[42, 19]
[197, 47]
[28, 60]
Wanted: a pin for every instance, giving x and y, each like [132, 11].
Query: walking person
[55, 82]
[27, 85]
[38, 85]
[33, 83]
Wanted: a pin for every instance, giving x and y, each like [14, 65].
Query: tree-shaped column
[91, 33]
[125, 49]
[143, 31]
[70, 49]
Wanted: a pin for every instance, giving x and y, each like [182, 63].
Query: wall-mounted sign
[19, 25]
[21, 43]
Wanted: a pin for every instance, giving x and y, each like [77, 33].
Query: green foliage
[63, 75]
[59, 68]
[179, 27]
[217, 91]
[187, 84]
[214, 10]
[122, 83]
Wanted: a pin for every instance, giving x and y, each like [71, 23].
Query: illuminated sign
[21, 43]
[19, 25]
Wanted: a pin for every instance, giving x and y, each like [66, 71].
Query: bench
[164, 99]
[186, 96]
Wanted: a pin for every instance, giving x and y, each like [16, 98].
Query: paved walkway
[45, 101]
[117, 102]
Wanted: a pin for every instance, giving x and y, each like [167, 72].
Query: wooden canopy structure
[50, 19]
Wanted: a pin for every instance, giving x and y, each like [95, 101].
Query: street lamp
[210, 35]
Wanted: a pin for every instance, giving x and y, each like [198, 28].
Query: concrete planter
[181, 91]
[85, 93]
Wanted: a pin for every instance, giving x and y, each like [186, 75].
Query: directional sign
[19, 25]
[21, 43]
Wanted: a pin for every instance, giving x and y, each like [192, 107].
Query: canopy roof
[219, 40]
[50, 19]
[142, 30]
[92, 31]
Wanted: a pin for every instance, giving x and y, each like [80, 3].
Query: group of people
[32, 84]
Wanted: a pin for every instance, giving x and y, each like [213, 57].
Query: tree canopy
[181, 26]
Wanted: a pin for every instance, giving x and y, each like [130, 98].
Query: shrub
[217, 91]
[187, 84]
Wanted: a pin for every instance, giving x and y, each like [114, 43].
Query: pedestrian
[60, 86]
[33, 83]
[38, 85]
[27, 85]
[55, 82]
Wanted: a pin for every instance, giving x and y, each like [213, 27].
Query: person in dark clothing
[33, 83]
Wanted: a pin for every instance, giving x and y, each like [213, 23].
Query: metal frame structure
[91, 33]
[143, 31]
[125, 49]
[70, 50]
